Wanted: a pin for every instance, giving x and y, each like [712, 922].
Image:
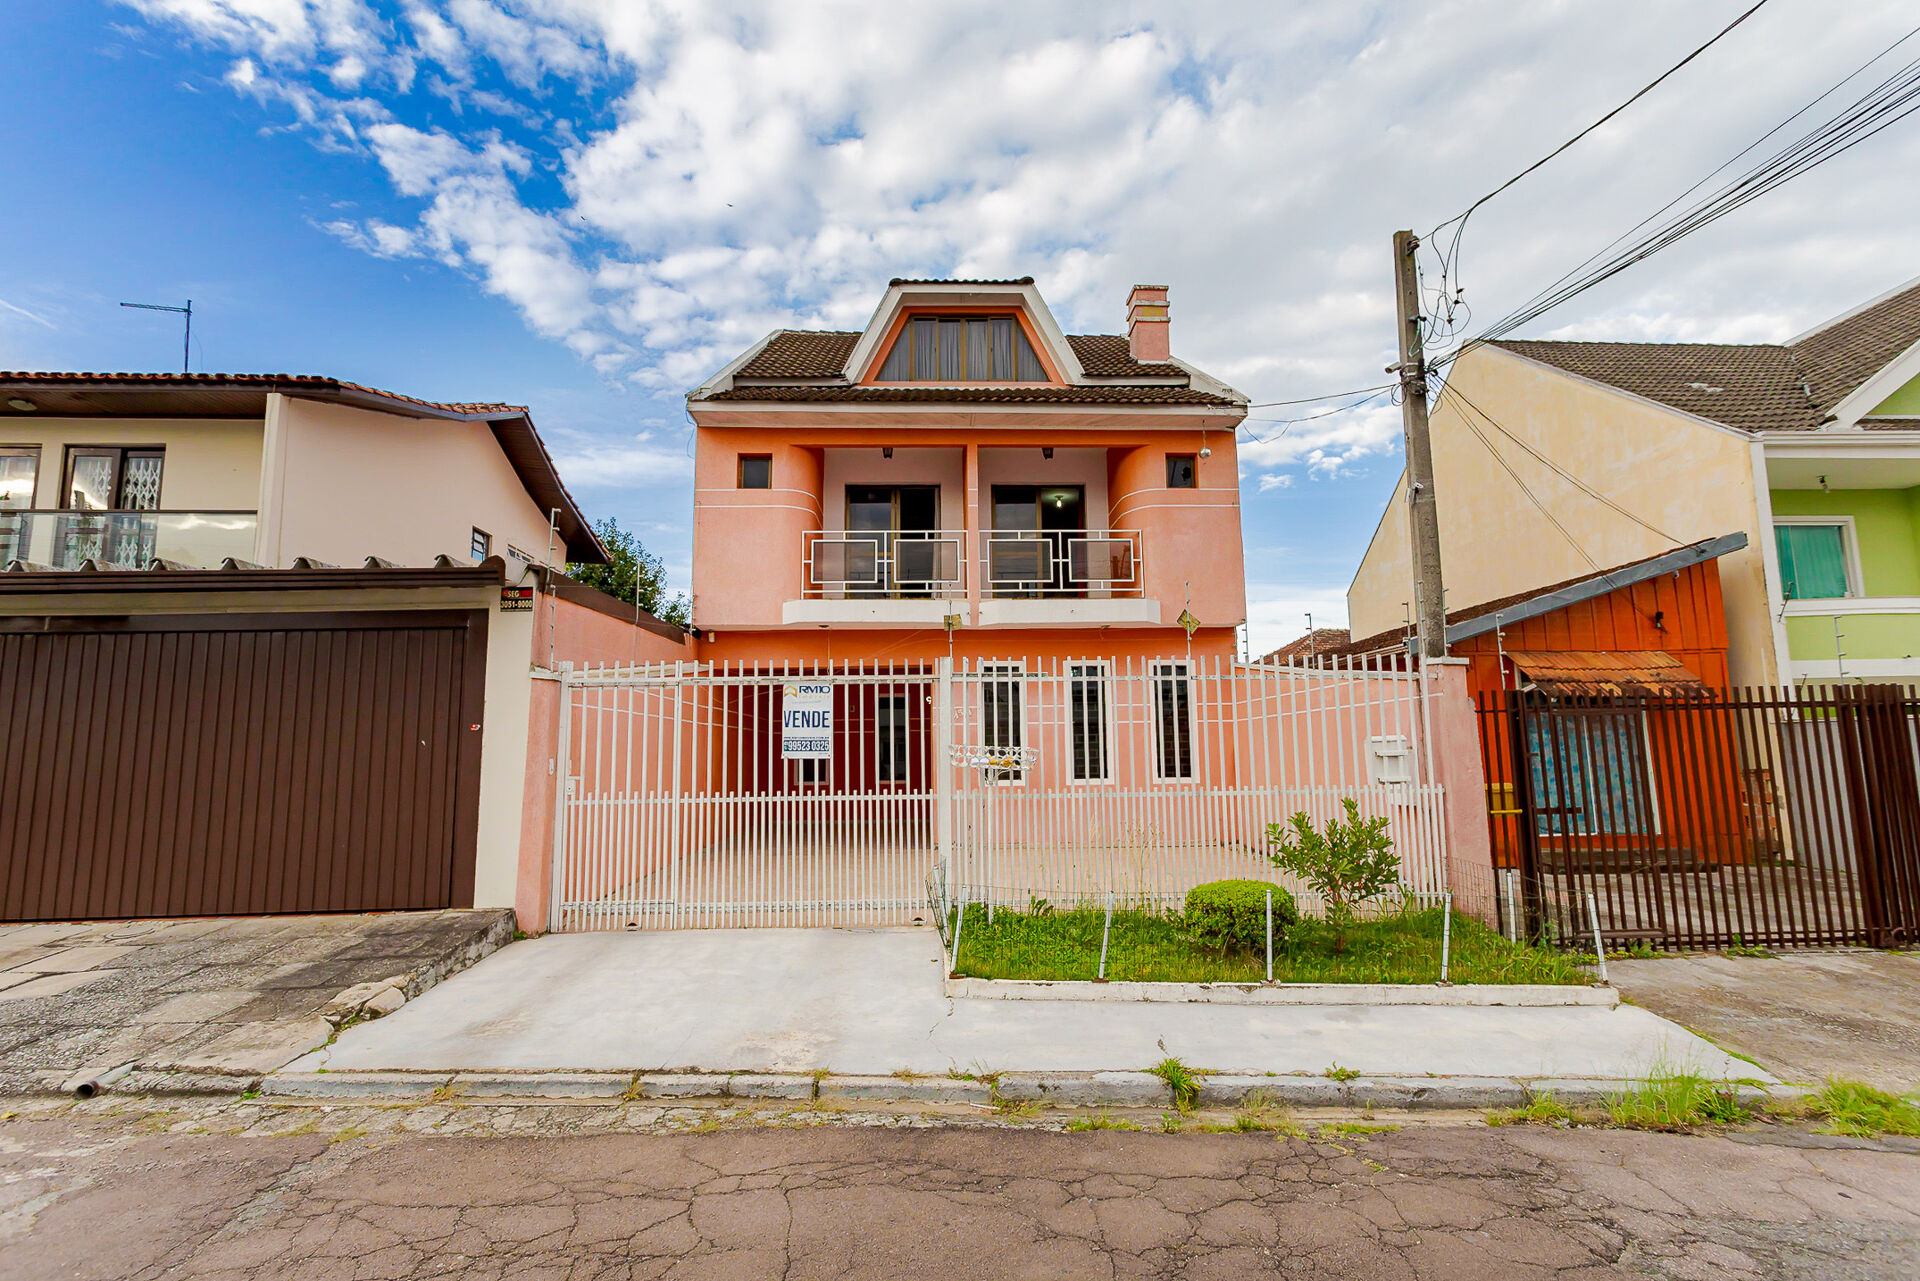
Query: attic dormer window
[962, 349]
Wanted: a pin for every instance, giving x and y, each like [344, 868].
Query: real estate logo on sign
[806, 723]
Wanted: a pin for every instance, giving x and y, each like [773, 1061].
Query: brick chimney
[1147, 336]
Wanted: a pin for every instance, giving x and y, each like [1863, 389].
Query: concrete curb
[1527, 994]
[1051, 1089]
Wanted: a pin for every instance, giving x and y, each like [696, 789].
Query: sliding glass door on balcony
[893, 541]
[1034, 528]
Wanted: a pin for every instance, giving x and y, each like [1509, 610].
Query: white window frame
[1015, 674]
[1097, 672]
[1849, 552]
[1155, 676]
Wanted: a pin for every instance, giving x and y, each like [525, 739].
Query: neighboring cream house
[269, 645]
[197, 468]
[1553, 459]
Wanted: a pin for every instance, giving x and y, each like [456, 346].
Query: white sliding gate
[1142, 778]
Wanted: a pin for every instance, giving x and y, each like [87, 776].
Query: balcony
[1061, 577]
[909, 578]
[65, 539]
[898, 578]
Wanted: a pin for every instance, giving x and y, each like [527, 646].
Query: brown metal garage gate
[213, 764]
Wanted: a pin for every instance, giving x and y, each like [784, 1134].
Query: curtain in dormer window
[962, 349]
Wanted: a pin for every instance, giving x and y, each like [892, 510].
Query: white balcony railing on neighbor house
[860, 563]
[1060, 562]
[63, 539]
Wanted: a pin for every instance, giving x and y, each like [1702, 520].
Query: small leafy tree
[1346, 865]
[632, 574]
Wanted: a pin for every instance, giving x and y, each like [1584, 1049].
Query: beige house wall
[340, 484]
[212, 464]
[1680, 475]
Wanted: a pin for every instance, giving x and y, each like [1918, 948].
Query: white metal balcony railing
[64, 539]
[1060, 562]
[852, 564]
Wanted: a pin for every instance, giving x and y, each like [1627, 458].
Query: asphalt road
[314, 1195]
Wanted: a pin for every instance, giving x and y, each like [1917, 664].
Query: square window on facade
[1813, 560]
[756, 471]
[1183, 471]
[482, 544]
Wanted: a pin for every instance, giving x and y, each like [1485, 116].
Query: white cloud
[657, 183]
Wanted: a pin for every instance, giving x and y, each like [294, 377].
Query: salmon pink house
[963, 478]
[966, 595]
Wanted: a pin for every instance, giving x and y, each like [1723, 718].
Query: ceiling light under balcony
[22, 404]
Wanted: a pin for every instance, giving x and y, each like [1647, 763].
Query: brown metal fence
[1773, 818]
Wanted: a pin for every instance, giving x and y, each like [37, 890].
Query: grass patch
[1675, 1102]
[1260, 1112]
[1338, 1073]
[1017, 1109]
[1101, 1120]
[1154, 947]
[1849, 1107]
[1182, 1081]
[1358, 1127]
[1541, 1109]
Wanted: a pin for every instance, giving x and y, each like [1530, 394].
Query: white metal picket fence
[1004, 781]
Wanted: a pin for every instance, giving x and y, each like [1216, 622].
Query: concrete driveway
[1804, 1015]
[211, 998]
[871, 1002]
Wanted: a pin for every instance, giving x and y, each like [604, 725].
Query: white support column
[562, 792]
[1770, 559]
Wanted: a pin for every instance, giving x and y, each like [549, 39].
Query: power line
[1531, 496]
[1556, 468]
[1885, 104]
[1726, 164]
[1449, 261]
[1309, 400]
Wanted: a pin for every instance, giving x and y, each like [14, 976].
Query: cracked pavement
[250, 1191]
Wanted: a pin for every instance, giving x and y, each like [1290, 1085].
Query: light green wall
[1885, 522]
[1862, 636]
[1904, 401]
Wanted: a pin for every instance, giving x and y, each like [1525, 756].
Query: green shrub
[1348, 864]
[1232, 915]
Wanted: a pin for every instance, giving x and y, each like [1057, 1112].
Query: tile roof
[1755, 387]
[822, 353]
[1321, 640]
[1842, 354]
[802, 353]
[1752, 386]
[264, 382]
[903, 280]
[1597, 673]
[1106, 356]
[1095, 394]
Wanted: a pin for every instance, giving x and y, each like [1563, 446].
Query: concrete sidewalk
[870, 1002]
[212, 1001]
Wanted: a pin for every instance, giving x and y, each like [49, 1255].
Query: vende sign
[806, 723]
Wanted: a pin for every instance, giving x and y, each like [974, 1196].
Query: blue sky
[586, 206]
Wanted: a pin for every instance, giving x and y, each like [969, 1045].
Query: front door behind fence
[1773, 818]
[1013, 782]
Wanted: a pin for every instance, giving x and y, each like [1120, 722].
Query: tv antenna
[186, 343]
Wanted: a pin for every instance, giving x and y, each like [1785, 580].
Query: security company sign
[806, 722]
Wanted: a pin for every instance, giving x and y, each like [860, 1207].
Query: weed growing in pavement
[1181, 1080]
[1674, 1101]
[1261, 1112]
[1171, 1123]
[1640, 950]
[1338, 1073]
[1854, 1108]
[1358, 1127]
[1101, 1120]
[1016, 1109]
[1541, 1109]
[1739, 948]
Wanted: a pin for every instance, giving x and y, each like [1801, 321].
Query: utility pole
[1423, 513]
